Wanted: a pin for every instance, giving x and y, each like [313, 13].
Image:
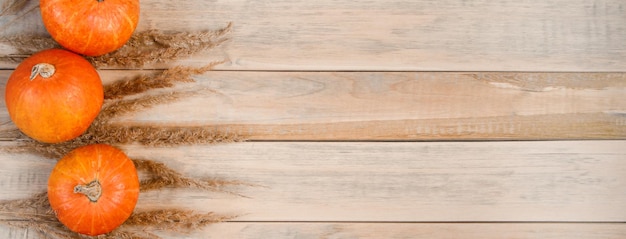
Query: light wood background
[388, 119]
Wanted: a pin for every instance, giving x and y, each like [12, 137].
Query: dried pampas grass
[143, 48]
[118, 103]
[174, 219]
[123, 97]
[154, 46]
[161, 176]
[163, 79]
[34, 213]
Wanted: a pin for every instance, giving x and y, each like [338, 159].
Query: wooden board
[382, 35]
[259, 230]
[412, 230]
[393, 106]
[555, 181]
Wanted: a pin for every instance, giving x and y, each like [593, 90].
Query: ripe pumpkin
[54, 95]
[90, 27]
[93, 189]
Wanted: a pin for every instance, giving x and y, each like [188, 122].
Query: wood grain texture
[392, 106]
[383, 119]
[277, 230]
[413, 230]
[553, 181]
[381, 35]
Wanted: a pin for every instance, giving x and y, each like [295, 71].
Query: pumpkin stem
[45, 70]
[93, 190]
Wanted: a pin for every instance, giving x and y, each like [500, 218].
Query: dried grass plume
[34, 213]
[154, 46]
[123, 97]
[143, 48]
[118, 102]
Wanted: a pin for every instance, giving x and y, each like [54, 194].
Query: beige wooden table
[389, 119]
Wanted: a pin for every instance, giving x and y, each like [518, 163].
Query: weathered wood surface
[553, 189]
[337, 73]
[393, 106]
[412, 230]
[381, 35]
[530, 181]
[303, 230]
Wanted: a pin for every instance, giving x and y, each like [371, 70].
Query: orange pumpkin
[54, 95]
[93, 189]
[90, 27]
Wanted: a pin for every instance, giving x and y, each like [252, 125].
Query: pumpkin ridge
[98, 167]
[69, 175]
[69, 203]
[85, 167]
[102, 221]
[129, 20]
[75, 216]
[87, 43]
[112, 170]
[93, 222]
[103, 210]
[118, 205]
[76, 175]
[72, 16]
[126, 191]
[70, 102]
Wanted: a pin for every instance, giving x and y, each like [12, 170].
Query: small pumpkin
[54, 95]
[90, 27]
[93, 189]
